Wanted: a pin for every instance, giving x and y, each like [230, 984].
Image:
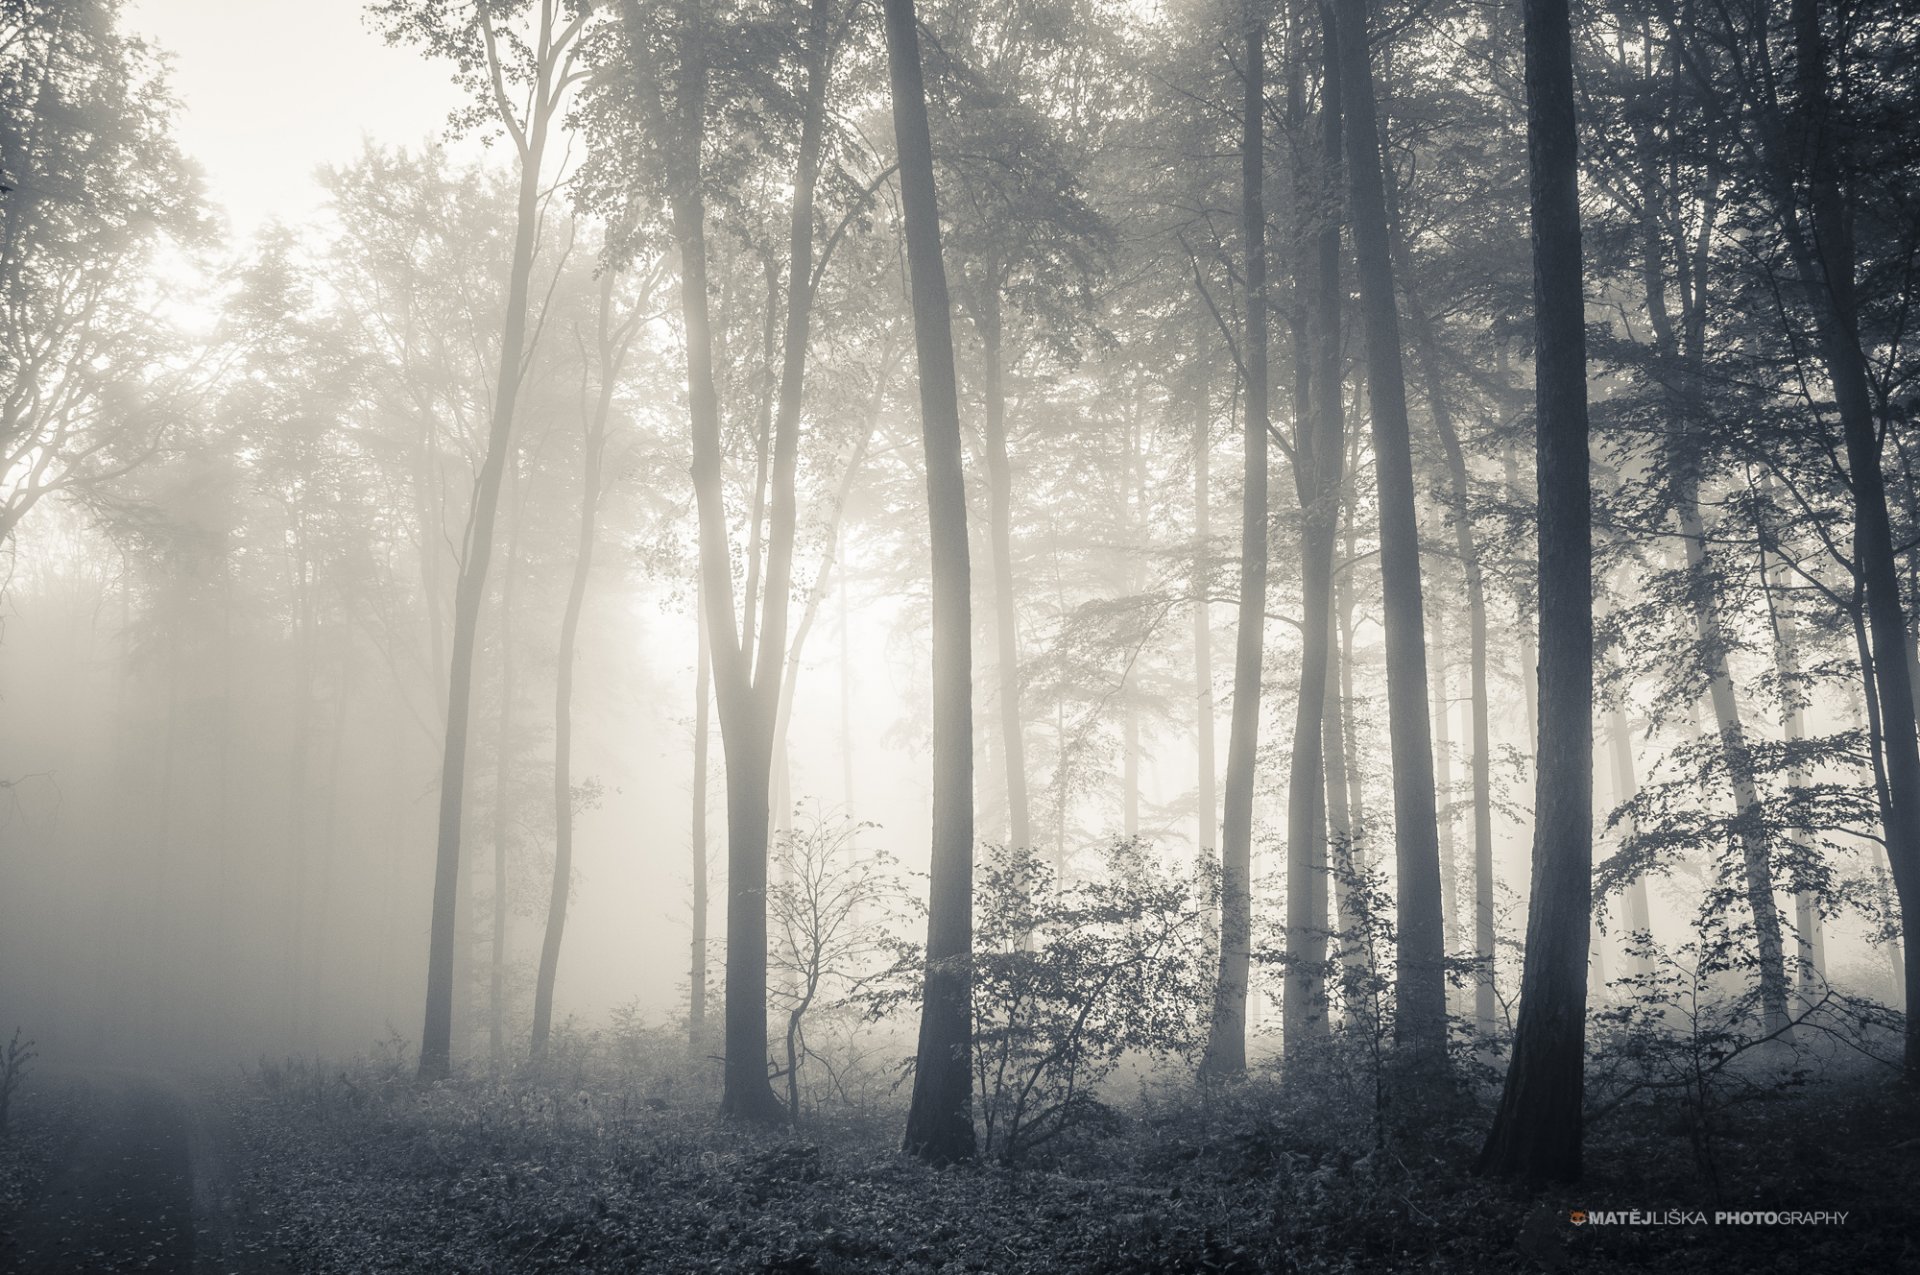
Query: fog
[1201, 591]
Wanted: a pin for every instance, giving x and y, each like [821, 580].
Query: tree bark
[940, 1120]
[593, 453]
[1206, 831]
[1831, 285]
[697, 948]
[436, 1034]
[502, 777]
[1420, 1019]
[1536, 1133]
[1318, 459]
[1000, 537]
[1625, 788]
[1226, 1054]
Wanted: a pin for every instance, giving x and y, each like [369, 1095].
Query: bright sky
[272, 89]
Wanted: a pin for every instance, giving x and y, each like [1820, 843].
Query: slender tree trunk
[1833, 293]
[1809, 935]
[748, 648]
[1466, 545]
[1536, 1133]
[436, 1035]
[702, 746]
[1420, 1019]
[593, 452]
[1226, 1055]
[1625, 788]
[940, 1120]
[1206, 830]
[1737, 755]
[1319, 453]
[502, 782]
[1523, 625]
[1000, 535]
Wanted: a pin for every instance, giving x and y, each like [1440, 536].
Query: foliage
[1069, 979]
[831, 906]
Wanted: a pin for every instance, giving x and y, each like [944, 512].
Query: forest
[1028, 636]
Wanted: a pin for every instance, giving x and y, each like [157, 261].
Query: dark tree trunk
[1832, 287]
[746, 676]
[1420, 1019]
[1536, 1133]
[1226, 1054]
[1319, 455]
[940, 1120]
[1466, 545]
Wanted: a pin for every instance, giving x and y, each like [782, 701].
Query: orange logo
[1579, 1217]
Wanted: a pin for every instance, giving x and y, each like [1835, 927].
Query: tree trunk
[748, 648]
[702, 746]
[1832, 287]
[1625, 788]
[940, 1120]
[1206, 831]
[1000, 536]
[1466, 545]
[1756, 861]
[1536, 1133]
[1319, 455]
[1808, 933]
[436, 1034]
[1226, 1054]
[502, 777]
[593, 452]
[1420, 1019]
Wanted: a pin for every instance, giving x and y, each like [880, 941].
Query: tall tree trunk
[1830, 254]
[1466, 545]
[436, 1034]
[748, 648]
[502, 779]
[1420, 1018]
[1688, 346]
[1625, 788]
[1536, 1133]
[1206, 830]
[1809, 936]
[593, 453]
[702, 746]
[1737, 755]
[940, 1120]
[1000, 535]
[1226, 1054]
[1318, 456]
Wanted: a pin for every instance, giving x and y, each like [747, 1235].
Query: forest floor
[356, 1169]
[112, 1171]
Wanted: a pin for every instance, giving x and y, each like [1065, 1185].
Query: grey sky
[272, 89]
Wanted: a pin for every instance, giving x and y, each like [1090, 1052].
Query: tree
[1319, 455]
[747, 647]
[940, 1121]
[91, 185]
[1226, 1054]
[1536, 1131]
[613, 338]
[1420, 1020]
[544, 69]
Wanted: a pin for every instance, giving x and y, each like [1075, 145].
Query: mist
[1066, 636]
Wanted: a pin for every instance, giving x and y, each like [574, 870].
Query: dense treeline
[1343, 430]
